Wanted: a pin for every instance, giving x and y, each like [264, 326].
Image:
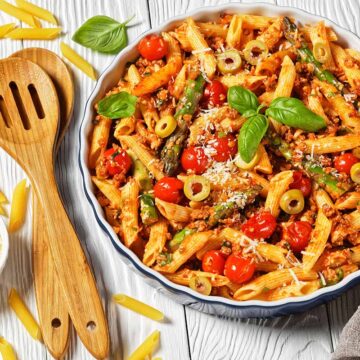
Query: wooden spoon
[28, 128]
[53, 314]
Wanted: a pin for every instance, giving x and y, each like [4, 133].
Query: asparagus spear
[316, 172]
[170, 153]
[140, 172]
[291, 33]
[178, 238]
[148, 211]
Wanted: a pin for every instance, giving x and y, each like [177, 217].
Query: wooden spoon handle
[52, 309]
[76, 278]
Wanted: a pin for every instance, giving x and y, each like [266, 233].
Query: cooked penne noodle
[321, 45]
[18, 206]
[273, 253]
[183, 277]
[272, 281]
[323, 199]
[151, 162]
[36, 11]
[233, 37]
[156, 243]
[133, 75]
[314, 104]
[319, 237]
[344, 109]
[271, 36]
[243, 79]
[147, 347]
[4, 29]
[24, 315]
[331, 35]
[174, 212]
[272, 63]
[355, 254]
[278, 185]
[354, 219]
[78, 61]
[350, 200]
[138, 306]
[332, 144]
[266, 266]
[125, 126]
[6, 350]
[300, 289]
[149, 114]
[212, 30]
[19, 14]
[190, 245]
[264, 164]
[355, 54]
[179, 83]
[256, 21]
[214, 243]
[110, 191]
[99, 139]
[130, 212]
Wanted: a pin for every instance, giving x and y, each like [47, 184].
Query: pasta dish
[227, 157]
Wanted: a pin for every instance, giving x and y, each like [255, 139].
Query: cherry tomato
[225, 147]
[343, 163]
[297, 234]
[301, 183]
[169, 189]
[239, 269]
[153, 47]
[260, 226]
[194, 158]
[117, 161]
[213, 262]
[214, 94]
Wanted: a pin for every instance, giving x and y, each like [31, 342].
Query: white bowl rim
[4, 242]
[255, 8]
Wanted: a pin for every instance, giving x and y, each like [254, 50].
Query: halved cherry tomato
[194, 158]
[117, 161]
[153, 47]
[213, 262]
[301, 183]
[239, 269]
[260, 226]
[225, 147]
[169, 189]
[344, 162]
[297, 234]
[214, 94]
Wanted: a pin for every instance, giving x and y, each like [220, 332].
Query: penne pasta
[173, 212]
[233, 37]
[319, 237]
[77, 60]
[243, 79]
[256, 21]
[271, 36]
[323, 200]
[36, 11]
[6, 350]
[110, 191]
[156, 243]
[332, 144]
[24, 315]
[300, 289]
[264, 164]
[19, 14]
[278, 185]
[190, 245]
[314, 104]
[211, 30]
[138, 307]
[125, 126]
[350, 200]
[272, 63]
[147, 347]
[18, 206]
[4, 29]
[179, 83]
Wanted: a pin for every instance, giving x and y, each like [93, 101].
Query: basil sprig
[254, 128]
[103, 34]
[293, 112]
[117, 106]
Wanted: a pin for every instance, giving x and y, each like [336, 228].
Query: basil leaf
[242, 99]
[103, 34]
[117, 106]
[251, 134]
[293, 112]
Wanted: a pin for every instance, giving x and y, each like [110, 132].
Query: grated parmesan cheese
[307, 253]
[292, 273]
[194, 52]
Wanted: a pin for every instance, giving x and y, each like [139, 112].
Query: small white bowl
[4, 245]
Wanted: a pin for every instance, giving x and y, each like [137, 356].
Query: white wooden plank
[127, 329]
[344, 13]
[301, 336]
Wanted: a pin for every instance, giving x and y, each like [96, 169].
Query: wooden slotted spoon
[28, 128]
[53, 313]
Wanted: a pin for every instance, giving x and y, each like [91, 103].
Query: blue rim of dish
[319, 296]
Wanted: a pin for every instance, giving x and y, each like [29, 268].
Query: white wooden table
[188, 334]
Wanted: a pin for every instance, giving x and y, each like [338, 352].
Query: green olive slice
[200, 284]
[255, 50]
[196, 187]
[355, 173]
[292, 202]
[229, 61]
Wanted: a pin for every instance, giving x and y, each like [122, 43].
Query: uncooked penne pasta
[19, 13]
[147, 347]
[4, 29]
[319, 237]
[18, 206]
[278, 185]
[36, 11]
[138, 306]
[6, 350]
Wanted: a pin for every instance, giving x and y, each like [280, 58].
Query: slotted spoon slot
[20, 106]
[4, 115]
[36, 101]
